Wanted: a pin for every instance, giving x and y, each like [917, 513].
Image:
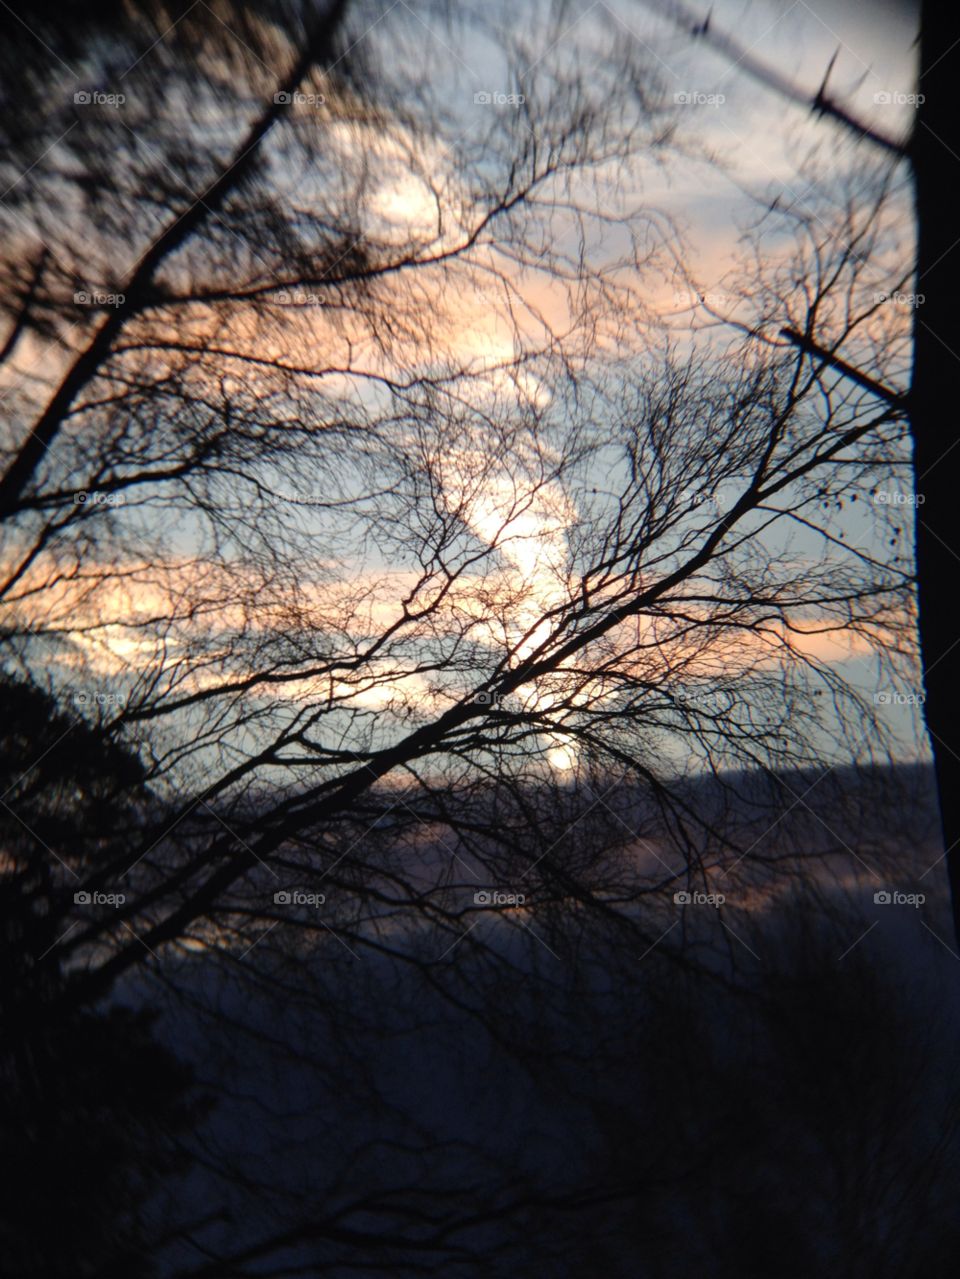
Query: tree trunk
[934, 409]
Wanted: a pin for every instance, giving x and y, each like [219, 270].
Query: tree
[93, 1110]
[525, 561]
[411, 556]
[769, 1109]
[932, 144]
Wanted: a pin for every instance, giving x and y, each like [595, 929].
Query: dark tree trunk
[935, 394]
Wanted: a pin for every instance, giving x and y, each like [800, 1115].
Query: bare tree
[291, 706]
[931, 147]
[376, 541]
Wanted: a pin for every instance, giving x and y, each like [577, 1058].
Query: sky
[759, 138]
[757, 135]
